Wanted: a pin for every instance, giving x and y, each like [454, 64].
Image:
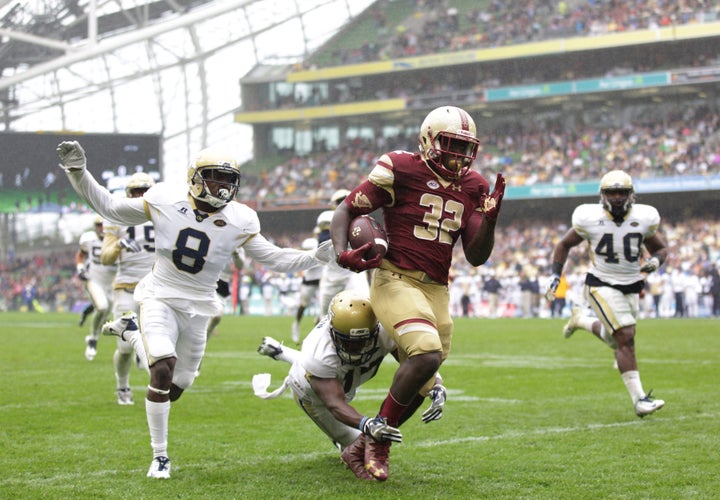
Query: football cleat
[127, 323]
[270, 347]
[354, 457]
[574, 322]
[125, 397]
[648, 405]
[377, 455]
[90, 348]
[159, 468]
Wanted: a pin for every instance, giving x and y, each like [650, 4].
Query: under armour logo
[456, 187]
[183, 210]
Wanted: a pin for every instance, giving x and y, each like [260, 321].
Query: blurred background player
[335, 278]
[308, 293]
[132, 248]
[97, 280]
[615, 229]
[428, 200]
[342, 352]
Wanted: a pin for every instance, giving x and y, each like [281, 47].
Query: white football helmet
[309, 244]
[617, 181]
[353, 327]
[338, 196]
[139, 181]
[204, 168]
[447, 141]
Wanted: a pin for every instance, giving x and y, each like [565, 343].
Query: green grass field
[529, 415]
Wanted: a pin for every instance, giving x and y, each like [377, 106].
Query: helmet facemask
[617, 208]
[225, 177]
[447, 142]
[612, 184]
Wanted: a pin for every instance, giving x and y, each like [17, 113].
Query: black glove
[223, 288]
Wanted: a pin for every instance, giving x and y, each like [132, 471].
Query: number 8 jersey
[615, 249]
[192, 247]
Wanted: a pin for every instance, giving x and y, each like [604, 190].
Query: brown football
[365, 229]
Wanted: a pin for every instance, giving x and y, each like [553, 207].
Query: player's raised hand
[72, 156]
[490, 203]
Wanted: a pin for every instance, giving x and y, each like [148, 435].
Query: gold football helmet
[139, 183]
[353, 327]
[617, 193]
[218, 167]
[448, 142]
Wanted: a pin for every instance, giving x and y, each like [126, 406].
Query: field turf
[529, 415]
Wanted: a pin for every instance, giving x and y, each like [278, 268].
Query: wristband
[362, 422]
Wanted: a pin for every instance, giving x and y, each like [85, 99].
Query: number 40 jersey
[615, 249]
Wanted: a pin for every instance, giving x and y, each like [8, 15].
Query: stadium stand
[561, 92]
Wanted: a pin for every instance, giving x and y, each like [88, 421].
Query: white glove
[650, 265]
[552, 287]
[437, 395]
[129, 245]
[72, 156]
[324, 252]
[378, 429]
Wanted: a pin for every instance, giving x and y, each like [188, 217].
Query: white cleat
[90, 348]
[296, 332]
[270, 347]
[125, 397]
[159, 468]
[648, 405]
[574, 322]
[127, 323]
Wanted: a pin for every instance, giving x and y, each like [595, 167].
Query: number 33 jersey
[615, 249]
[192, 247]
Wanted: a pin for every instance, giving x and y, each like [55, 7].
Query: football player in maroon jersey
[428, 200]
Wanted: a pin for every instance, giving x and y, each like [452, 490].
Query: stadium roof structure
[168, 67]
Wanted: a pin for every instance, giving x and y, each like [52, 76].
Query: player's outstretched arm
[284, 260]
[124, 211]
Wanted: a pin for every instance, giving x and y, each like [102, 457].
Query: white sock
[122, 363]
[135, 340]
[158, 415]
[586, 323]
[288, 354]
[633, 385]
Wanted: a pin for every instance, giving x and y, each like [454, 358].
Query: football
[365, 229]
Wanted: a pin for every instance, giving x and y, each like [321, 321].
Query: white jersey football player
[132, 248]
[197, 228]
[616, 230]
[334, 278]
[97, 279]
[342, 352]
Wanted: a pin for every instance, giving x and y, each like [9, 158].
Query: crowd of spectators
[685, 142]
[514, 276]
[445, 28]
